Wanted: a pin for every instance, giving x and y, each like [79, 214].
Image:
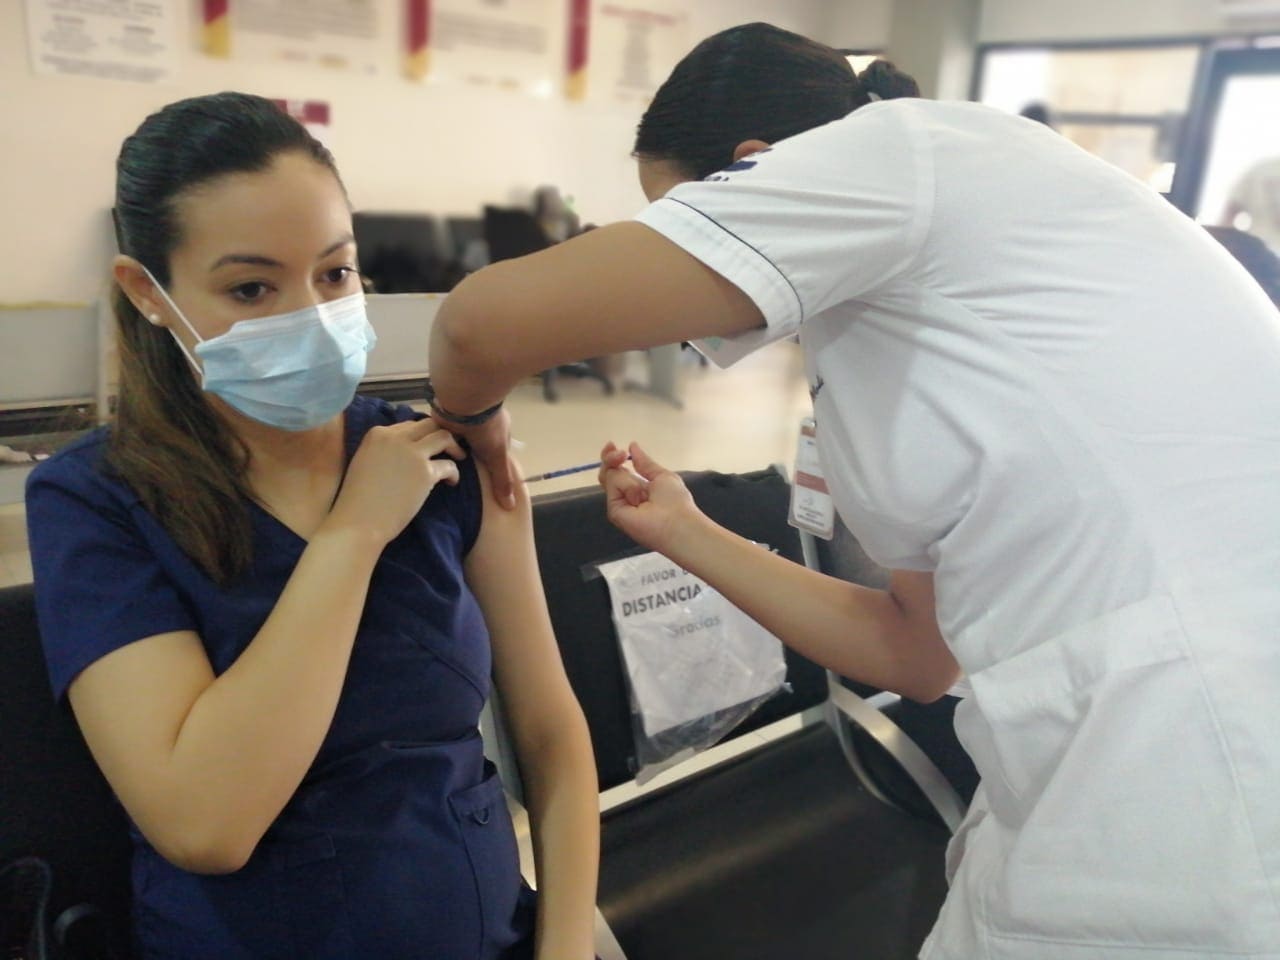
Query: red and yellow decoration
[575, 84]
[215, 30]
[417, 35]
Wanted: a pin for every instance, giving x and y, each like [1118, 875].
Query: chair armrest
[914, 761]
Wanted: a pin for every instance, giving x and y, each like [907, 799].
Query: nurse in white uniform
[1047, 401]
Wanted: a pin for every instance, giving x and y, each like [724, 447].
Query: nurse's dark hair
[166, 442]
[755, 82]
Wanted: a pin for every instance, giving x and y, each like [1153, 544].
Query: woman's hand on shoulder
[388, 480]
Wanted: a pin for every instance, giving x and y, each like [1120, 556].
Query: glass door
[1230, 174]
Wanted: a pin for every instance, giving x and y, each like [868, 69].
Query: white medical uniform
[1041, 382]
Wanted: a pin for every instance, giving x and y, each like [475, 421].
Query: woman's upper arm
[118, 637]
[130, 704]
[502, 571]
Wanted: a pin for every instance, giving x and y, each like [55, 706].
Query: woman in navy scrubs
[275, 607]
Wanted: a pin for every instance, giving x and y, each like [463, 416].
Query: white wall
[857, 24]
[418, 148]
[1016, 20]
[399, 146]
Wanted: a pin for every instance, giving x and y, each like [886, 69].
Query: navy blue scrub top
[398, 842]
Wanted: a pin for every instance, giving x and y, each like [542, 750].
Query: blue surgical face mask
[293, 370]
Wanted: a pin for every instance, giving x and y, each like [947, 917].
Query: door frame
[1223, 62]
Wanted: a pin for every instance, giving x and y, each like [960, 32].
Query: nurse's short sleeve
[98, 585]
[818, 219]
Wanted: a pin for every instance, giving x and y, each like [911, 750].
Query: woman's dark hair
[179, 457]
[755, 82]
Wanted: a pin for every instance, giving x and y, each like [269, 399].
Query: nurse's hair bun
[881, 80]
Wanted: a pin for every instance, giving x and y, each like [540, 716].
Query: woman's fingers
[610, 459]
[637, 494]
[441, 441]
[645, 465]
[444, 471]
[622, 484]
[612, 456]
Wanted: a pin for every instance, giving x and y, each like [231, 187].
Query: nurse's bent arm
[550, 732]
[887, 638]
[617, 288]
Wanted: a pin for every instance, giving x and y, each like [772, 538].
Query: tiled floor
[733, 420]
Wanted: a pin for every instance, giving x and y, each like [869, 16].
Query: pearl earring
[154, 318]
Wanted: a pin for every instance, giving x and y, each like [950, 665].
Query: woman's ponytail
[881, 80]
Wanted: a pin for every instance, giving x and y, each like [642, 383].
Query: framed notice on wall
[122, 40]
[505, 44]
[355, 35]
[632, 47]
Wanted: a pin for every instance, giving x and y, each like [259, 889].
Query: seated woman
[275, 606]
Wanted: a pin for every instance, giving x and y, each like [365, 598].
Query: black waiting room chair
[779, 852]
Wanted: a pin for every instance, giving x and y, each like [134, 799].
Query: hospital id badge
[811, 506]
